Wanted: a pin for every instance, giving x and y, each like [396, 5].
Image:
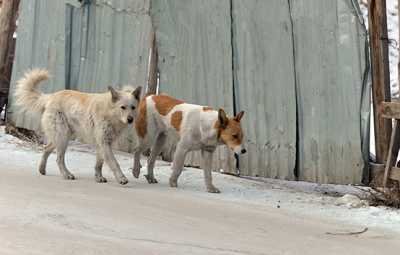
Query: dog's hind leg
[155, 151]
[61, 148]
[99, 167]
[207, 157]
[48, 149]
[177, 165]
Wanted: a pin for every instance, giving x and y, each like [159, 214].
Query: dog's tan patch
[207, 108]
[141, 119]
[176, 120]
[82, 97]
[165, 103]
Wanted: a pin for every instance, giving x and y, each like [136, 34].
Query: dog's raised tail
[28, 98]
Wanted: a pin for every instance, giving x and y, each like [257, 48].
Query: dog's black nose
[130, 119]
[243, 151]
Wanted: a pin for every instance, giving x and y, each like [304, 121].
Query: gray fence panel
[40, 43]
[110, 46]
[265, 86]
[329, 69]
[287, 56]
[195, 58]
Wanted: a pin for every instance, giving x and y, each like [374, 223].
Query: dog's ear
[239, 116]
[114, 94]
[137, 92]
[223, 119]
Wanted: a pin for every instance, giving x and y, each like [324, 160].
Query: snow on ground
[301, 198]
[48, 215]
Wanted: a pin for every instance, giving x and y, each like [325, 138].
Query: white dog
[93, 118]
[197, 127]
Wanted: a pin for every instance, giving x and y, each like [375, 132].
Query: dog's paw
[173, 183]
[69, 176]
[150, 179]
[213, 189]
[42, 171]
[136, 172]
[122, 180]
[100, 179]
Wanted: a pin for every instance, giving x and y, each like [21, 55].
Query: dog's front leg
[137, 151]
[99, 166]
[112, 163]
[207, 162]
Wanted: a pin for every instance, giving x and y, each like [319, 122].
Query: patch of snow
[351, 201]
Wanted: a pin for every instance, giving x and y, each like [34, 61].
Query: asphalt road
[47, 215]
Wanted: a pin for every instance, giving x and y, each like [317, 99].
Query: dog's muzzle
[239, 150]
[130, 119]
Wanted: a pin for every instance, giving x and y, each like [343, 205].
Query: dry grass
[377, 196]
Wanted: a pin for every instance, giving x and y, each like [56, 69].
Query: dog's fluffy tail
[28, 98]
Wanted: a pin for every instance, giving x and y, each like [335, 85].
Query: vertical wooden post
[380, 74]
[8, 16]
[389, 161]
[153, 65]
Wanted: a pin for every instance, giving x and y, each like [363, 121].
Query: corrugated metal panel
[110, 46]
[85, 48]
[88, 48]
[329, 69]
[40, 43]
[195, 63]
[265, 86]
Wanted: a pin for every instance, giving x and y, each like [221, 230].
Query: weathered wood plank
[380, 74]
[389, 156]
[389, 110]
[8, 17]
[377, 169]
[7, 24]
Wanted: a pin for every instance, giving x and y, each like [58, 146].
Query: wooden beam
[7, 26]
[389, 161]
[153, 65]
[389, 110]
[378, 168]
[8, 17]
[380, 74]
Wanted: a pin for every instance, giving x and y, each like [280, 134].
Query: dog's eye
[133, 107]
[123, 107]
[236, 136]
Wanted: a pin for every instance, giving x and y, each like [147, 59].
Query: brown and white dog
[197, 128]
